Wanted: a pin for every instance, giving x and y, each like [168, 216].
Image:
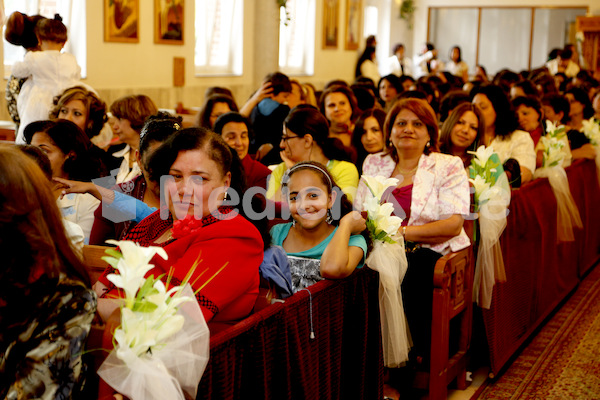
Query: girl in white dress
[49, 72]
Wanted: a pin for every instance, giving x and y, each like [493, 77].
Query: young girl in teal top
[324, 240]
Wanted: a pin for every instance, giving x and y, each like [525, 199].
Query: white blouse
[517, 145]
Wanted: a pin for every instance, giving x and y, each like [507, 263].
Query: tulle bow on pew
[389, 259]
[552, 168]
[492, 197]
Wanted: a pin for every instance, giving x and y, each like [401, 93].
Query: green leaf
[112, 252]
[145, 307]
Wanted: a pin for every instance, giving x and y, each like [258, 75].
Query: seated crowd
[306, 157]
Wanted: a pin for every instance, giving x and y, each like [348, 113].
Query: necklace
[408, 171]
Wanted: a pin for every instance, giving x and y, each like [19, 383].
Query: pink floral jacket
[440, 189]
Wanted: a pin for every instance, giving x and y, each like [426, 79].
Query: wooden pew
[452, 300]
[92, 258]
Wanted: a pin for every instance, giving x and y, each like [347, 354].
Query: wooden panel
[7, 135]
[590, 26]
[178, 71]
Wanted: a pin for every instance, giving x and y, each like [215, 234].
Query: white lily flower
[389, 225]
[370, 205]
[379, 184]
[169, 326]
[482, 155]
[553, 156]
[135, 333]
[480, 185]
[591, 129]
[167, 301]
[554, 130]
[133, 266]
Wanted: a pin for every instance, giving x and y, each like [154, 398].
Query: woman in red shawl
[196, 168]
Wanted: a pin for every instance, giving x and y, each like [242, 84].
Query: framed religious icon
[353, 24]
[330, 23]
[168, 21]
[121, 21]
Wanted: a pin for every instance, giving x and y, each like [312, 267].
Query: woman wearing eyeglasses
[305, 138]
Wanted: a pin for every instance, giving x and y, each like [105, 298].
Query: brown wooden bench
[92, 258]
[452, 300]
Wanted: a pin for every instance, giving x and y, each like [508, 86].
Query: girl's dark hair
[158, 128]
[558, 103]
[505, 119]
[83, 163]
[424, 112]
[51, 29]
[366, 55]
[96, 108]
[304, 120]
[339, 89]
[582, 97]
[359, 130]
[459, 53]
[32, 234]
[203, 119]
[450, 123]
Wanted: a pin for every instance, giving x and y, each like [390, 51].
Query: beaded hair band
[298, 166]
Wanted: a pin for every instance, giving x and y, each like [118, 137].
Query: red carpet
[563, 360]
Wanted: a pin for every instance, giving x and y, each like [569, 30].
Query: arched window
[219, 37]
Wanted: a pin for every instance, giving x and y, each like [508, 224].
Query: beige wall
[117, 69]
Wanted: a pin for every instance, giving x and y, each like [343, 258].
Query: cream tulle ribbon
[169, 370]
[567, 212]
[389, 259]
[489, 267]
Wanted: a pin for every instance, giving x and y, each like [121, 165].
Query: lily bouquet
[389, 259]
[552, 168]
[491, 200]
[161, 347]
